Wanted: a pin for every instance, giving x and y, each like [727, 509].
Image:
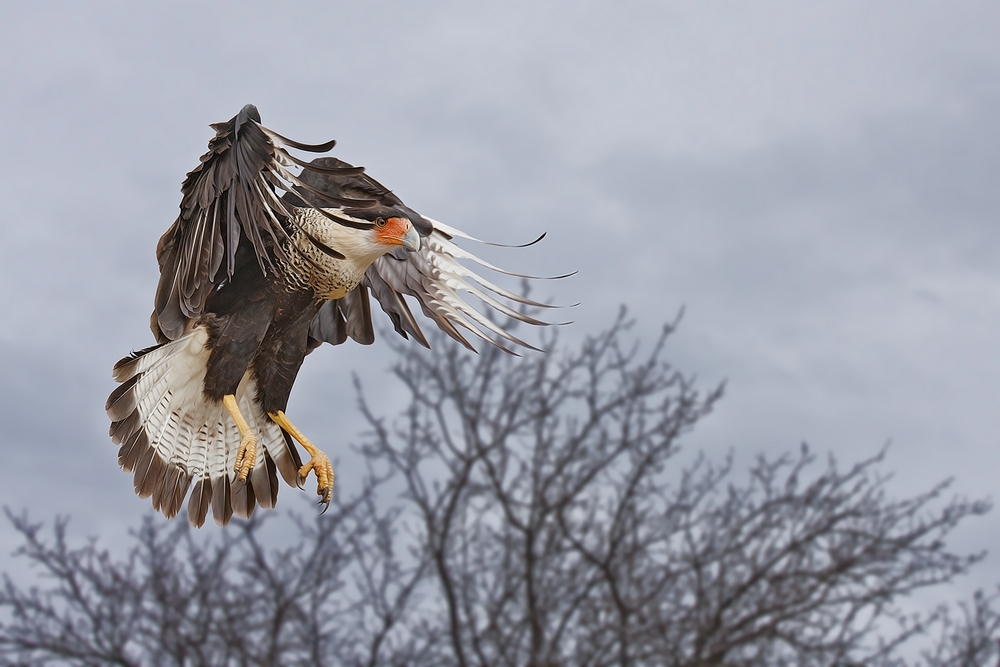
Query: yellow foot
[318, 463]
[246, 455]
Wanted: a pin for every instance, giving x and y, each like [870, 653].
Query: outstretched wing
[434, 276]
[230, 200]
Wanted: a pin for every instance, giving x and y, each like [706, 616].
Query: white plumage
[197, 437]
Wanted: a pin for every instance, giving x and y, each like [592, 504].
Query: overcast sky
[815, 183]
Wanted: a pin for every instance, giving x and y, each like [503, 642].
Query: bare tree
[523, 512]
[179, 600]
[556, 538]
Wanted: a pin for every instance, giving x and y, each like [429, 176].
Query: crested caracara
[269, 257]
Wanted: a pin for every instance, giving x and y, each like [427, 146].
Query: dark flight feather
[121, 402]
[243, 497]
[222, 502]
[200, 501]
[132, 449]
[289, 463]
[265, 482]
[228, 199]
[349, 316]
[225, 318]
[175, 487]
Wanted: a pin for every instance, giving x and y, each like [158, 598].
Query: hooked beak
[411, 240]
[398, 231]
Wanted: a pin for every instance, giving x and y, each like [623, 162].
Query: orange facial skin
[393, 231]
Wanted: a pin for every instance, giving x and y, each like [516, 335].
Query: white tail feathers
[171, 436]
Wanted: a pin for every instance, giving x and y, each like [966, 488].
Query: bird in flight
[270, 257]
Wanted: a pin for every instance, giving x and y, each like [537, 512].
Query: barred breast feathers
[310, 267]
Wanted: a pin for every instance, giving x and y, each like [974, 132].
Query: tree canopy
[524, 511]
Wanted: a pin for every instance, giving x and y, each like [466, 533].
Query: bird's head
[395, 230]
[371, 233]
[389, 227]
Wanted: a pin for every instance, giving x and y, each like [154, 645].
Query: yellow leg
[320, 462]
[247, 453]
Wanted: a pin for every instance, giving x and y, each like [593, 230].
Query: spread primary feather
[250, 283]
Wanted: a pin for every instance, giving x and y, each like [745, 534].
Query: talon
[318, 463]
[246, 456]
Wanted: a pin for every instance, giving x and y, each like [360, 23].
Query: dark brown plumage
[250, 283]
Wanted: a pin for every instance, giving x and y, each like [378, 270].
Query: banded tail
[172, 436]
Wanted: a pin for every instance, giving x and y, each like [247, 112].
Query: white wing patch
[170, 436]
[435, 277]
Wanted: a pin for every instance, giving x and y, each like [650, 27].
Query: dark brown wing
[350, 316]
[229, 199]
[327, 176]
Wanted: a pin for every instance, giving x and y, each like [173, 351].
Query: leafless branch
[526, 512]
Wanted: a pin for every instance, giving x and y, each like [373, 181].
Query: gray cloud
[816, 184]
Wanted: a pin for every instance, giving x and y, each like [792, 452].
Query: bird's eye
[380, 222]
